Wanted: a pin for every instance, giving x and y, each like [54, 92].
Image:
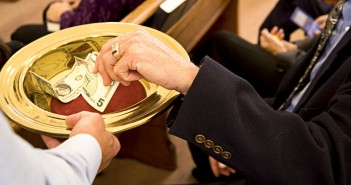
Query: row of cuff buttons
[209, 144]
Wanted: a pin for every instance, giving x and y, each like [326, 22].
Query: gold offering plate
[29, 107]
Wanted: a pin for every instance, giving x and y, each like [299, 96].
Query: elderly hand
[144, 56]
[56, 9]
[92, 124]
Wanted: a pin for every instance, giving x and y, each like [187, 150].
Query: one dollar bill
[68, 87]
[80, 81]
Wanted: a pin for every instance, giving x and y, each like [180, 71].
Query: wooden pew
[143, 12]
[204, 17]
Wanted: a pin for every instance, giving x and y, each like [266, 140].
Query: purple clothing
[92, 11]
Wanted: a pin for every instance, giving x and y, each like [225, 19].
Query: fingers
[106, 68]
[266, 35]
[106, 60]
[103, 69]
[274, 30]
[88, 119]
[220, 168]
[263, 35]
[263, 40]
[121, 40]
[269, 37]
[50, 142]
[280, 34]
[214, 166]
[73, 119]
[126, 68]
[144, 56]
[225, 170]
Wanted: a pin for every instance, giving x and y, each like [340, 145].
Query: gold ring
[115, 51]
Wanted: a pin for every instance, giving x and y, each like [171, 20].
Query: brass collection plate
[29, 107]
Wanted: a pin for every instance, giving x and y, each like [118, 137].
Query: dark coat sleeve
[223, 115]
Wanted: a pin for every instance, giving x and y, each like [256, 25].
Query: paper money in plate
[80, 81]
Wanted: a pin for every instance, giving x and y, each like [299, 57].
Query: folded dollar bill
[93, 90]
[80, 81]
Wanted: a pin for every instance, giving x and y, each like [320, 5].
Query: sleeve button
[226, 155]
[217, 149]
[209, 144]
[200, 138]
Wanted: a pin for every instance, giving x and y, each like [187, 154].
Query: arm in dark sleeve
[291, 56]
[224, 116]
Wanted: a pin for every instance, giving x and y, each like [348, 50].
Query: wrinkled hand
[92, 124]
[219, 168]
[56, 9]
[271, 44]
[144, 56]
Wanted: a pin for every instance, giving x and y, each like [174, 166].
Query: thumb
[73, 119]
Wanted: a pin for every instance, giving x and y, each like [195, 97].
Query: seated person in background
[281, 13]
[89, 149]
[292, 52]
[263, 65]
[70, 13]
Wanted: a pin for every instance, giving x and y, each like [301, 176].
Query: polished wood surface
[189, 30]
[195, 23]
[143, 12]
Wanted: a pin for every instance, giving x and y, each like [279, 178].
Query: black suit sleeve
[223, 115]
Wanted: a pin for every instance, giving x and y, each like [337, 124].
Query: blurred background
[248, 16]
[15, 13]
